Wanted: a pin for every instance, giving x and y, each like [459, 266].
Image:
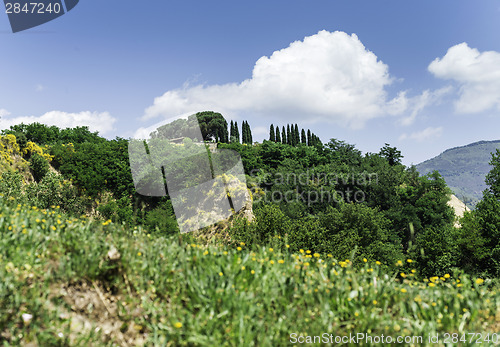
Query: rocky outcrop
[459, 207]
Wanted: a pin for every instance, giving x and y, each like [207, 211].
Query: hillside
[464, 169]
[87, 261]
[92, 283]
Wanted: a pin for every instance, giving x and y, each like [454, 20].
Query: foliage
[435, 250]
[480, 237]
[392, 154]
[493, 177]
[39, 166]
[42, 134]
[94, 167]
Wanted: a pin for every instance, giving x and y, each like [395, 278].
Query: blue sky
[360, 71]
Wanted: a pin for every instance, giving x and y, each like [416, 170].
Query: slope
[464, 169]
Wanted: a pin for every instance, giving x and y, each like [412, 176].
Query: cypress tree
[288, 135]
[243, 133]
[225, 135]
[296, 135]
[236, 132]
[232, 134]
[249, 134]
[309, 143]
[303, 137]
[283, 135]
[278, 137]
[272, 136]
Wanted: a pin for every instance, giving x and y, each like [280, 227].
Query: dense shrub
[39, 166]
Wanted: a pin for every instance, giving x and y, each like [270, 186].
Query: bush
[53, 190]
[435, 251]
[11, 186]
[162, 219]
[39, 166]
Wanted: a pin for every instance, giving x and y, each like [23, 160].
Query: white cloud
[477, 74]
[426, 134]
[96, 121]
[328, 76]
[3, 112]
[40, 88]
[416, 104]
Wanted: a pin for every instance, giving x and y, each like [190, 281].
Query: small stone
[113, 254]
[27, 318]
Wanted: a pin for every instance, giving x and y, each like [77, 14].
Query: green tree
[213, 126]
[236, 132]
[278, 137]
[244, 132]
[303, 137]
[232, 135]
[392, 154]
[480, 233]
[493, 177]
[288, 135]
[272, 136]
[284, 139]
[435, 250]
[250, 137]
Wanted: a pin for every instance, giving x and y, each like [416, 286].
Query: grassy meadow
[69, 281]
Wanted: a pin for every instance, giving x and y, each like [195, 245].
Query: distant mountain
[464, 169]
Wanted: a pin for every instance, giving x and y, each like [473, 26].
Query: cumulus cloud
[96, 121]
[477, 74]
[426, 134]
[325, 77]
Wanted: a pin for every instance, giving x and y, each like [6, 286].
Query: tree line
[292, 136]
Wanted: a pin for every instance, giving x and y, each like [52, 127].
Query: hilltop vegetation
[464, 169]
[339, 241]
[328, 198]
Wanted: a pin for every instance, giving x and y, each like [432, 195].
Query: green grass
[89, 283]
